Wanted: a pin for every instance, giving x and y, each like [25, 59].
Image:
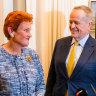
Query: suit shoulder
[64, 40]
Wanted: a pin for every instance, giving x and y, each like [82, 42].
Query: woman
[21, 73]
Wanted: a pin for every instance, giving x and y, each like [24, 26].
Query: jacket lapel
[64, 50]
[85, 55]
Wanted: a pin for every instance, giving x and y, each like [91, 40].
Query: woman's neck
[12, 48]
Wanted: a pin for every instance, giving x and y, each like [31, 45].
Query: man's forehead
[79, 14]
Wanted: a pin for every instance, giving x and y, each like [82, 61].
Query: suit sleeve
[51, 76]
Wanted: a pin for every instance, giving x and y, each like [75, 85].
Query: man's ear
[11, 32]
[90, 23]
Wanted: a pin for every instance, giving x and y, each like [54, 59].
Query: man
[62, 83]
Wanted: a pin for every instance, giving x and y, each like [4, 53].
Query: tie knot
[76, 43]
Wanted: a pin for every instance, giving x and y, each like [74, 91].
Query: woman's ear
[11, 32]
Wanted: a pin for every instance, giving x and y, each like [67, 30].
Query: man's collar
[82, 41]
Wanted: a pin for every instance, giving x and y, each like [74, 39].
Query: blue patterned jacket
[21, 75]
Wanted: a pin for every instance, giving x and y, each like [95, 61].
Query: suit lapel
[85, 55]
[64, 49]
[62, 54]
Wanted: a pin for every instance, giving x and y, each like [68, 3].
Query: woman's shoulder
[1, 49]
[30, 52]
[2, 54]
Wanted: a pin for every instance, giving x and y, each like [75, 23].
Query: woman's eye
[70, 22]
[26, 30]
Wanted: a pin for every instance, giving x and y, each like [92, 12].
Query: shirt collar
[82, 41]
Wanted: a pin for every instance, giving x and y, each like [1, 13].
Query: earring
[12, 35]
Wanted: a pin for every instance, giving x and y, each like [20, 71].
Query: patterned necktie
[70, 65]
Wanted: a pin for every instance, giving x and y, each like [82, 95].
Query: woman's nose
[30, 35]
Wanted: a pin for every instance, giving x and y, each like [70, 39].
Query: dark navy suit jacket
[83, 74]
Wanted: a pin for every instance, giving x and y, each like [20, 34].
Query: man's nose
[73, 25]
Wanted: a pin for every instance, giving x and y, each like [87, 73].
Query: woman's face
[22, 35]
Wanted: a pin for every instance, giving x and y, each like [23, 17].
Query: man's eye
[77, 23]
[74, 22]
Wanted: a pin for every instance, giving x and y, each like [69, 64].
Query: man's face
[79, 24]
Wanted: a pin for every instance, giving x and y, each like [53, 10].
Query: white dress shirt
[79, 49]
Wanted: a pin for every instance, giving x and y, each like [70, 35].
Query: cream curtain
[50, 26]
[1, 23]
[51, 21]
